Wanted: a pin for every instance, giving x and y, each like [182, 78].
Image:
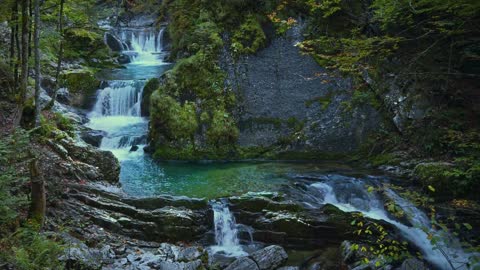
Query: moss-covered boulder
[82, 86]
[438, 177]
[152, 85]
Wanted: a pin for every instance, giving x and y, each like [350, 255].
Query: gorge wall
[286, 98]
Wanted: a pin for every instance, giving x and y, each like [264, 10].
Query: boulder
[93, 137]
[113, 42]
[243, 263]
[124, 59]
[104, 160]
[413, 264]
[270, 257]
[63, 96]
[134, 148]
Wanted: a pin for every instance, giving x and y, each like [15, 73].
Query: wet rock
[189, 254]
[124, 59]
[93, 137]
[270, 257]
[413, 264]
[243, 263]
[104, 160]
[63, 96]
[134, 148]
[81, 256]
[180, 265]
[113, 42]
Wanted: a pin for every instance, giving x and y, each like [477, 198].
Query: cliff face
[285, 98]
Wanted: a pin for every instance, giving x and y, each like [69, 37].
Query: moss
[383, 159]
[249, 37]
[324, 101]
[222, 129]
[152, 85]
[445, 178]
[81, 82]
[171, 119]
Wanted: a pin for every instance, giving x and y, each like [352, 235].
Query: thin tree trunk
[25, 49]
[13, 22]
[60, 57]
[39, 199]
[36, 40]
[19, 51]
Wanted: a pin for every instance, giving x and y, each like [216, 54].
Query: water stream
[117, 112]
[352, 195]
[226, 231]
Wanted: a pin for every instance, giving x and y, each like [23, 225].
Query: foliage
[175, 120]
[249, 37]
[56, 126]
[12, 152]
[27, 249]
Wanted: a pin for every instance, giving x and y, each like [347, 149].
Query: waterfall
[226, 233]
[351, 195]
[143, 45]
[119, 98]
[118, 106]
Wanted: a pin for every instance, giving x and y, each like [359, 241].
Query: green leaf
[468, 226]
[432, 189]
[370, 189]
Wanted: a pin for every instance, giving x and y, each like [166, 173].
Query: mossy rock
[82, 86]
[150, 87]
[437, 177]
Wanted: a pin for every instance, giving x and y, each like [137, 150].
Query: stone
[189, 254]
[63, 96]
[113, 42]
[124, 59]
[270, 257]
[413, 264]
[180, 265]
[134, 148]
[107, 163]
[93, 137]
[243, 263]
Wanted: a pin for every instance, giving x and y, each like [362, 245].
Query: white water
[352, 196]
[226, 232]
[117, 110]
[143, 46]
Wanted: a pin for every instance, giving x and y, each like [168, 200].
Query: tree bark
[39, 199]
[25, 49]
[36, 41]
[60, 57]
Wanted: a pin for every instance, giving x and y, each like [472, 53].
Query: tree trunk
[60, 57]
[39, 199]
[36, 41]
[25, 48]
[13, 22]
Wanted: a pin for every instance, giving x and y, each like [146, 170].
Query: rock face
[163, 219]
[282, 92]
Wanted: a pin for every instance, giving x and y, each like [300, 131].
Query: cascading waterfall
[226, 232]
[117, 110]
[351, 195]
[142, 45]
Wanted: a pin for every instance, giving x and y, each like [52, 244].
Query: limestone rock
[270, 257]
[243, 263]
